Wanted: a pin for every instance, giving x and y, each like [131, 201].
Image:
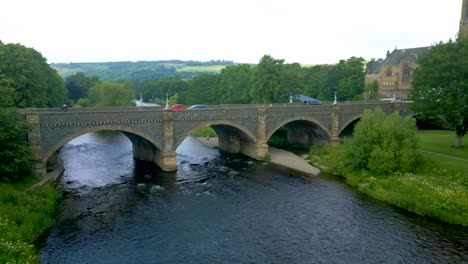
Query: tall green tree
[268, 81]
[351, 83]
[34, 82]
[235, 83]
[78, 85]
[111, 94]
[440, 85]
[204, 89]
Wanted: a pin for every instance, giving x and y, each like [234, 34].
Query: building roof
[395, 57]
[374, 68]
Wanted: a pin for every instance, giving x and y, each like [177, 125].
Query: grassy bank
[205, 132]
[439, 189]
[24, 216]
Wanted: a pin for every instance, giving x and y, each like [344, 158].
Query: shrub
[15, 153]
[382, 144]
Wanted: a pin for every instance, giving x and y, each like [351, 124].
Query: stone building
[393, 74]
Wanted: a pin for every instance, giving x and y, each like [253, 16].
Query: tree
[111, 94]
[34, 82]
[382, 144]
[268, 80]
[78, 85]
[15, 154]
[235, 83]
[440, 85]
[203, 89]
[350, 86]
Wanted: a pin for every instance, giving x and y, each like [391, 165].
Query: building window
[406, 74]
[389, 72]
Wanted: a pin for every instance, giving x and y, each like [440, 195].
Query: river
[226, 209]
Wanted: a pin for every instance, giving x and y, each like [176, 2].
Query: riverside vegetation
[432, 185]
[24, 215]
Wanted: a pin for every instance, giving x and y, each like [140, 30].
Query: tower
[464, 20]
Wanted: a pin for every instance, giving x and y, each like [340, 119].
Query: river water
[226, 209]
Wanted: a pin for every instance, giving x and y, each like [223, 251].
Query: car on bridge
[306, 99]
[179, 107]
[198, 106]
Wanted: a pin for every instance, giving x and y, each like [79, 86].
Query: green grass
[204, 132]
[442, 141]
[439, 189]
[212, 68]
[24, 216]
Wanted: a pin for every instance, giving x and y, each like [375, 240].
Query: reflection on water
[225, 209]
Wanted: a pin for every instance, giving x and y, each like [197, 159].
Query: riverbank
[439, 191]
[277, 156]
[25, 213]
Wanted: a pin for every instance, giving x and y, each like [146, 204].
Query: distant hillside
[141, 70]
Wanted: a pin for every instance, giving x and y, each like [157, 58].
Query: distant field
[212, 68]
[442, 141]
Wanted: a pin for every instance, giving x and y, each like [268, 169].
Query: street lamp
[167, 102]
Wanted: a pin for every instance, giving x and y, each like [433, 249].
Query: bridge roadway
[156, 132]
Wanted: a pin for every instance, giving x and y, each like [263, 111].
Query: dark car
[179, 107]
[198, 106]
[306, 99]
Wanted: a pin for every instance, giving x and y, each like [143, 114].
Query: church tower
[464, 20]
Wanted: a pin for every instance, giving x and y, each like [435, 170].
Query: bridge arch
[224, 129]
[348, 122]
[124, 129]
[311, 121]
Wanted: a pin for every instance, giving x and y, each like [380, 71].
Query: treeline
[270, 81]
[135, 72]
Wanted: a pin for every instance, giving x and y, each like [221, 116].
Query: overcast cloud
[304, 31]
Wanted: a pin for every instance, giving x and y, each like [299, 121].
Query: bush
[15, 154]
[382, 144]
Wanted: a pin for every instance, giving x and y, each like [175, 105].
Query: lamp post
[167, 102]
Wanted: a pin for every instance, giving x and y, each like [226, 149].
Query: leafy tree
[315, 81]
[382, 144]
[204, 89]
[78, 85]
[370, 90]
[15, 154]
[268, 81]
[156, 90]
[440, 85]
[34, 82]
[234, 84]
[111, 94]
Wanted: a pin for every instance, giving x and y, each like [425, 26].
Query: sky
[243, 31]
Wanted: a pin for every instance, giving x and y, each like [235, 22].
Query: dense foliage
[30, 81]
[440, 85]
[78, 85]
[24, 216]
[26, 80]
[382, 144]
[111, 94]
[439, 188]
[270, 81]
[15, 154]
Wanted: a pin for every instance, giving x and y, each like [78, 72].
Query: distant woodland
[218, 81]
[27, 80]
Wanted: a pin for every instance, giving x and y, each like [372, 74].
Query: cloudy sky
[304, 31]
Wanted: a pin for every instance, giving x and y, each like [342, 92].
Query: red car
[179, 107]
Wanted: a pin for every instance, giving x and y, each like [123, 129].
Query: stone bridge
[156, 132]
